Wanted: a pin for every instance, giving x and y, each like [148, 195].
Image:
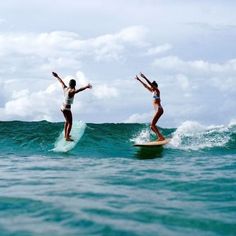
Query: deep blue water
[105, 186]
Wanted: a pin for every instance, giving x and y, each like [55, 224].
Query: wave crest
[192, 135]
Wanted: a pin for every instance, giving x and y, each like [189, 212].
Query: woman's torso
[68, 98]
[156, 98]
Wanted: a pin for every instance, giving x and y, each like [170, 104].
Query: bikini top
[68, 100]
[154, 95]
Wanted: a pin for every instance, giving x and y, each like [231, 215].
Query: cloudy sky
[187, 46]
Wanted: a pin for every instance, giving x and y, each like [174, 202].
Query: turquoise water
[105, 186]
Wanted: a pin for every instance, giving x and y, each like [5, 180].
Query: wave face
[105, 186]
[116, 140]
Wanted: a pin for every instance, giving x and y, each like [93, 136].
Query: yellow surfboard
[152, 144]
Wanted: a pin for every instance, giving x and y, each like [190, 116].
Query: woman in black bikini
[153, 88]
[69, 93]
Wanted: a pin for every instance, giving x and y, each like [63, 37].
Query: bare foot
[69, 139]
[161, 139]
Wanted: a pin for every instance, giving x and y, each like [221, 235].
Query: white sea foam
[232, 124]
[142, 137]
[192, 135]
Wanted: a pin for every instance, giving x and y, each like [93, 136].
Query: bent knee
[161, 111]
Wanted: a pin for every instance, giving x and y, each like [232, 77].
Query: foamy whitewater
[106, 186]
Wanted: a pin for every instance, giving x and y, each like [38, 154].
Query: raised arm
[59, 79]
[146, 86]
[148, 81]
[83, 88]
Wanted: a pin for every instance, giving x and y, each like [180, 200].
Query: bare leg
[154, 128]
[68, 132]
[68, 124]
[65, 127]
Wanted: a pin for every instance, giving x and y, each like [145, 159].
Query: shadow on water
[144, 153]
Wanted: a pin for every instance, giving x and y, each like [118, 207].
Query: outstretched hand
[142, 75]
[89, 86]
[55, 74]
[136, 77]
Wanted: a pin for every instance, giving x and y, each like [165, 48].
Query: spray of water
[142, 137]
[191, 135]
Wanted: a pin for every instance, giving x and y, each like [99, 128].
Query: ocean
[106, 186]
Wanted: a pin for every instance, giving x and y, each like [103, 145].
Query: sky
[187, 46]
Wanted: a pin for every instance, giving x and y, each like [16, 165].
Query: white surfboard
[153, 143]
[77, 131]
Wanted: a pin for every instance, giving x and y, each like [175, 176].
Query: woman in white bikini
[69, 93]
[153, 88]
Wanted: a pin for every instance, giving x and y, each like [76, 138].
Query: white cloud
[28, 92]
[139, 118]
[183, 81]
[27, 105]
[105, 92]
[174, 64]
[63, 43]
[110, 52]
[197, 90]
[112, 46]
[134, 34]
[82, 80]
[45, 52]
[159, 49]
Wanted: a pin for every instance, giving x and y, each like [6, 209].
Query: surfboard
[153, 143]
[77, 131]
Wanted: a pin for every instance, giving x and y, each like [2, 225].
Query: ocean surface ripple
[105, 186]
